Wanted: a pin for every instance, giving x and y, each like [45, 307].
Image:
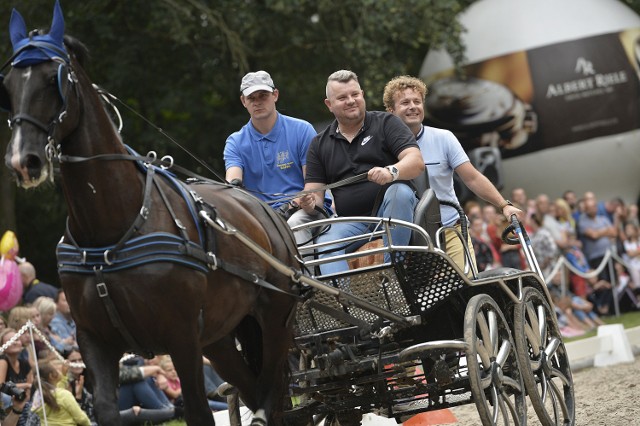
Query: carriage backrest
[427, 211]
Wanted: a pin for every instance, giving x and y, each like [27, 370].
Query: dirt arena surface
[606, 396]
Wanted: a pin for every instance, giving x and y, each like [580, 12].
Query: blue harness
[132, 251]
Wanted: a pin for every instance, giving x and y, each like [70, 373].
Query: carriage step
[226, 389]
[432, 349]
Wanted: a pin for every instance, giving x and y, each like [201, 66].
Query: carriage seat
[498, 272]
[426, 215]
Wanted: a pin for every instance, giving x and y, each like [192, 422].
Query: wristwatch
[505, 204]
[394, 172]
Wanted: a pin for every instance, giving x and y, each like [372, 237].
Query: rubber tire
[558, 407]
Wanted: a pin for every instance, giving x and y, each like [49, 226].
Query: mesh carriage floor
[417, 282]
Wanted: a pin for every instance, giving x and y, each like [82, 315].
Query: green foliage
[628, 320]
[179, 63]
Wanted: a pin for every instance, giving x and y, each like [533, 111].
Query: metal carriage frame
[417, 334]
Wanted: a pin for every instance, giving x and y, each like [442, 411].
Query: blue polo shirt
[271, 164]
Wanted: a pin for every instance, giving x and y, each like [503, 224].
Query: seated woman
[139, 399]
[76, 383]
[13, 367]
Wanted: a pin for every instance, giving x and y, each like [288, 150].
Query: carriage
[412, 334]
[417, 334]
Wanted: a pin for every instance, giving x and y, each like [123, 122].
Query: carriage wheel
[548, 378]
[494, 372]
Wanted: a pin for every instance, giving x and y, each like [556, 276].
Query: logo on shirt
[365, 140]
[283, 160]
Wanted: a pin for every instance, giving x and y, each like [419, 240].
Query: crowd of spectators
[582, 231]
[149, 393]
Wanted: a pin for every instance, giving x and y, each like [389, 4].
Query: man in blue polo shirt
[268, 155]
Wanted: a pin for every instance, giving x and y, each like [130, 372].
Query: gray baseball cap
[254, 81]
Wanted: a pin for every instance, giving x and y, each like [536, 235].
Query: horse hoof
[226, 389]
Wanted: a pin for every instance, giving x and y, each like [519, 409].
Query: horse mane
[77, 49]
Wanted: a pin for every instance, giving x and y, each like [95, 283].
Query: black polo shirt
[332, 158]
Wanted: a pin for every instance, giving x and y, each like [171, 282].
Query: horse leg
[272, 381]
[230, 365]
[189, 366]
[101, 360]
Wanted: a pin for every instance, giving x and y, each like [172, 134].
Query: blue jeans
[5, 400]
[144, 393]
[399, 202]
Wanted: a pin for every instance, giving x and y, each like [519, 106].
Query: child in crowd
[58, 405]
[632, 252]
[169, 382]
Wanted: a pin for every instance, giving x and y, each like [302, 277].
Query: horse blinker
[5, 102]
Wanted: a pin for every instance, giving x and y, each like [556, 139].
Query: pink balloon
[10, 284]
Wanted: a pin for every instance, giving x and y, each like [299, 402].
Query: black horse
[140, 272]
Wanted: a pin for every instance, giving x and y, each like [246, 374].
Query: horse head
[38, 92]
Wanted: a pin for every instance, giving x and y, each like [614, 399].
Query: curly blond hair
[400, 84]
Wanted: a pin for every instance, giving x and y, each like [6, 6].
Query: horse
[141, 272]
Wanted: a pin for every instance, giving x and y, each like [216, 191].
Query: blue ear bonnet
[37, 49]
[31, 50]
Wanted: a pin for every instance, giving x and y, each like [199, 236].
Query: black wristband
[16, 411]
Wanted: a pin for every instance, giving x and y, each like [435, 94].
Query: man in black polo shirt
[360, 141]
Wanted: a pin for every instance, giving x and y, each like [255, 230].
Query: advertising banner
[543, 97]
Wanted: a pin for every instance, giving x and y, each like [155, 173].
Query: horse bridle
[66, 79]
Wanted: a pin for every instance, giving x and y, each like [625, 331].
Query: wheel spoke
[483, 353]
[544, 387]
[554, 404]
[512, 384]
[503, 353]
[495, 403]
[510, 406]
[552, 347]
[493, 329]
[533, 339]
[484, 332]
[486, 382]
[542, 320]
[560, 375]
[531, 321]
[558, 397]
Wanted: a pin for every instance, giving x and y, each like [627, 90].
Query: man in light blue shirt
[268, 155]
[443, 155]
[63, 326]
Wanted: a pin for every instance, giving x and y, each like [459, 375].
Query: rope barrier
[29, 326]
[607, 261]
[562, 261]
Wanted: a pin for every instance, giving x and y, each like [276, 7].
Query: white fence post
[619, 350]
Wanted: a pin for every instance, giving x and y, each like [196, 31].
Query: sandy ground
[607, 396]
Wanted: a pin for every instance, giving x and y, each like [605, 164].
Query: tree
[179, 64]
